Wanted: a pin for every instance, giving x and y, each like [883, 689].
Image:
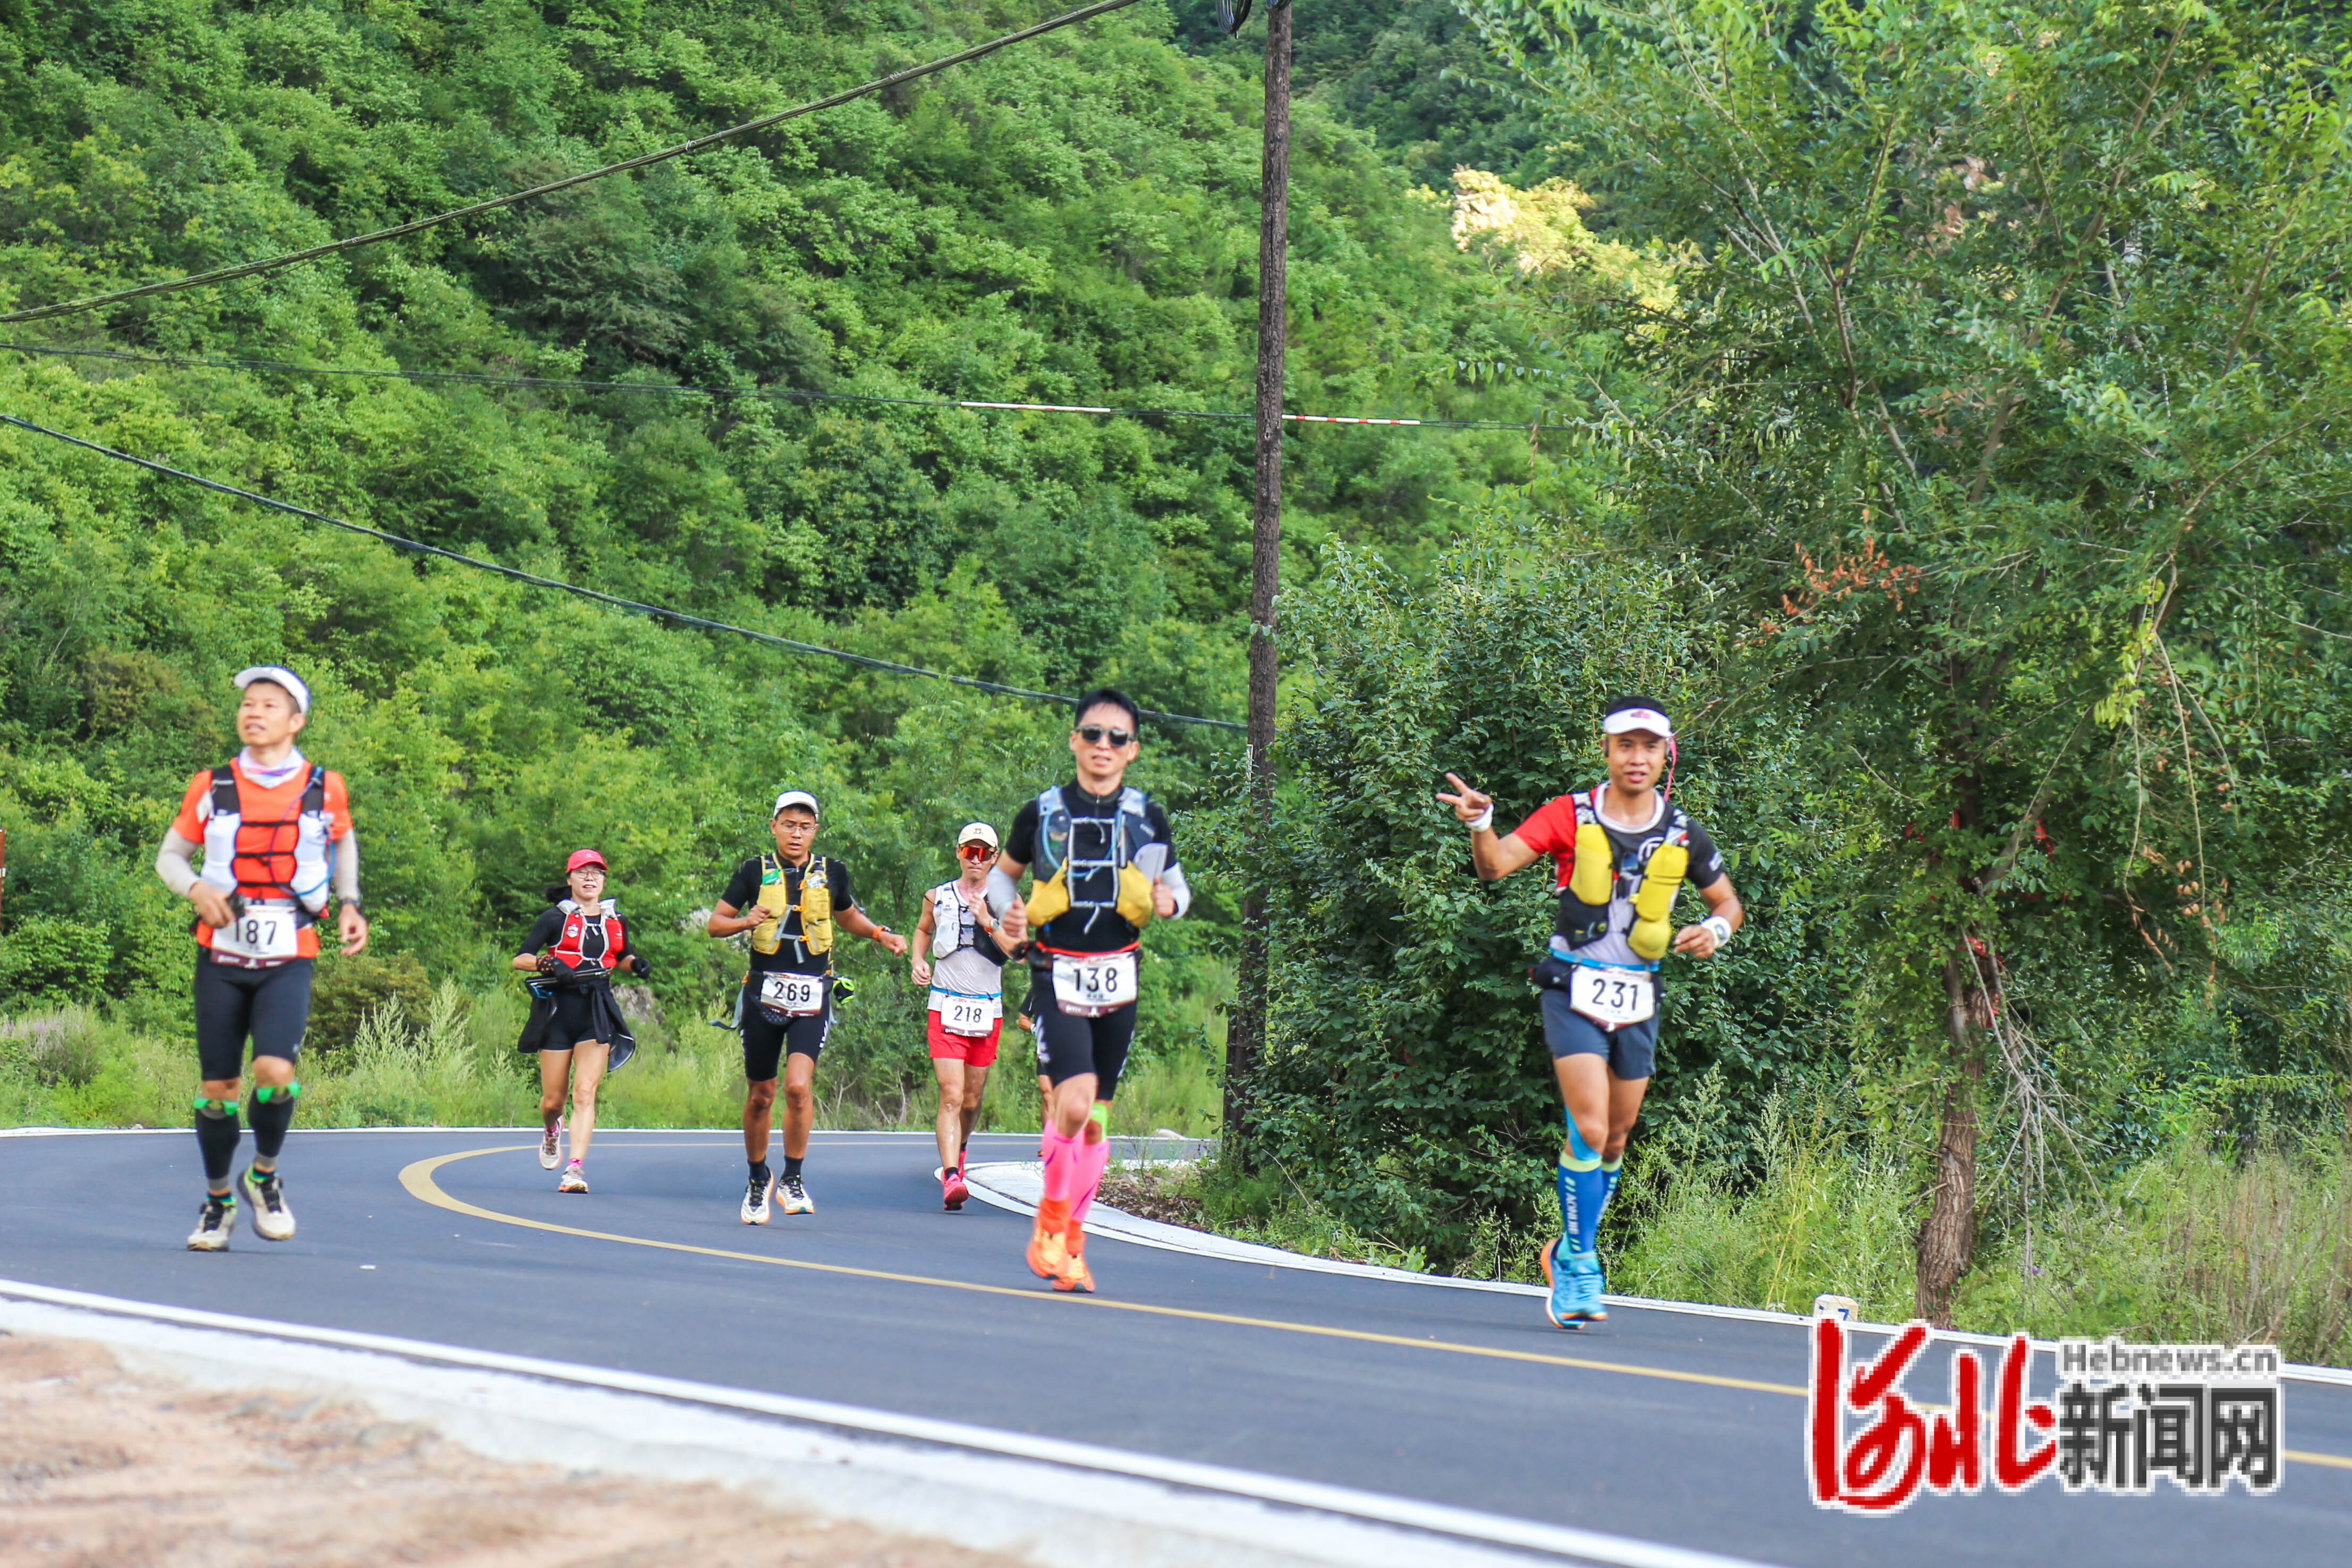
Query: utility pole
[1245, 1031]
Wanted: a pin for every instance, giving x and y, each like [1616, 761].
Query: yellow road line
[418, 1178]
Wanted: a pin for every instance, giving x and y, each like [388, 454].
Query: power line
[677, 389]
[271, 264]
[679, 617]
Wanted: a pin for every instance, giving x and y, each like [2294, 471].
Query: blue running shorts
[1632, 1050]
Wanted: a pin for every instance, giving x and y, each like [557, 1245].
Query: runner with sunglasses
[276, 832]
[791, 903]
[1106, 866]
[1620, 853]
[957, 955]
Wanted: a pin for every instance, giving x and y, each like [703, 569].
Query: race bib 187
[263, 933]
[1095, 984]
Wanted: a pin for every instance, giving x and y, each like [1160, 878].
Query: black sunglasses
[1095, 735]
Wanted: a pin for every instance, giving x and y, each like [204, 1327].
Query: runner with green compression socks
[276, 832]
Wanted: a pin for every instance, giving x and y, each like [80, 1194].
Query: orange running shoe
[1075, 1275]
[1046, 1253]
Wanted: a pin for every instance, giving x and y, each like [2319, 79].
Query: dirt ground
[99, 1468]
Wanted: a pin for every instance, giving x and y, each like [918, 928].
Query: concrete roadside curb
[1049, 1502]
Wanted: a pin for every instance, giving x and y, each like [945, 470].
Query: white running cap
[277, 675]
[976, 832]
[799, 797]
[1623, 721]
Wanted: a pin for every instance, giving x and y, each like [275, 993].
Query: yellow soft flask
[817, 910]
[1049, 899]
[1593, 875]
[1662, 878]
[775, 903]
[1134, 903]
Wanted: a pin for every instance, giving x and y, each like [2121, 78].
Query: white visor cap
[277, 675]
[1627, 719]
[979, 833]
[799, 797]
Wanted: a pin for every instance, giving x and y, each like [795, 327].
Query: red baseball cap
[584, 857]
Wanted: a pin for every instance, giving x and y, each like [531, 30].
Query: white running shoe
[213, 1222]
[755, 1199]
[574, 1180]
[794, 1197]
[550, 1151]
[272, 1220]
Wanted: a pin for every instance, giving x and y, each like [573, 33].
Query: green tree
[2005, 399]
[1405, 1079]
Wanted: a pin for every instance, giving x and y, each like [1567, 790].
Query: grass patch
[447, 1057]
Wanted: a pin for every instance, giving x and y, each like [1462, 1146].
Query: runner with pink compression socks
[1106, 866]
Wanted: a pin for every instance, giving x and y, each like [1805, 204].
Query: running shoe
[795, 1197]
[272, 1220]
[550, 1152]
[1048, 1254]
[953, 1190]
[574, 1180]
[1575, 1299]
[213, 1222]
[1075, 1275]
[755, 1199]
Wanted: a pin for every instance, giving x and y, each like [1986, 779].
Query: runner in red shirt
[1620, 853]
[276, 832]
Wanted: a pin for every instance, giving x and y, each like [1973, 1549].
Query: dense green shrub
[45, 962]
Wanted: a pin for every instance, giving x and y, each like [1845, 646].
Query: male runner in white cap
[1620, 852]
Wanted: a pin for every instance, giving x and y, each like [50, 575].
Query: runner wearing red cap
[276, 832]
[958, 956]
[1620, 851]
[574, 949]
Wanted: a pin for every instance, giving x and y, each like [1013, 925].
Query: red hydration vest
[575, 932]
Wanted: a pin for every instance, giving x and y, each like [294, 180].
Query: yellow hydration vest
[815, 906]
[1592, 882]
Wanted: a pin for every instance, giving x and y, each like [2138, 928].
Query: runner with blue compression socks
[1620, 852]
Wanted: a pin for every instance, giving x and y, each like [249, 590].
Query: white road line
[1004, 1188]
[972, 1483]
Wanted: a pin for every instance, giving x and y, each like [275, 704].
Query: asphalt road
[1661, 1426]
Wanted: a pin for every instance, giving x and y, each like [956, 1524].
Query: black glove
[638, 967]
[548, 964]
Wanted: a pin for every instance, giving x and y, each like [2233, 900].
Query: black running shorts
[574, 1019]
[767, 1044]
[1069, 1046]
[271, 1005]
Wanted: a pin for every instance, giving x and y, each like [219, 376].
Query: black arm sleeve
[836, 879]
[544, 931]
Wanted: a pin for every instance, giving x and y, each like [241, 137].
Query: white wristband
[1719, 926]
[1484, 821]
